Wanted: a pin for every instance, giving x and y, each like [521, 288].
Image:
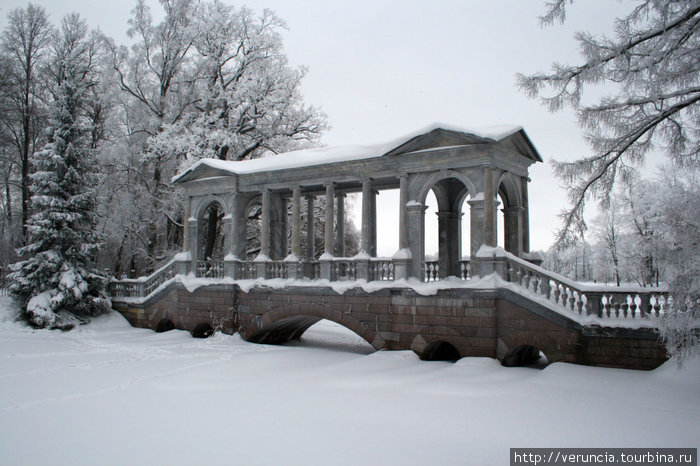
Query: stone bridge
[272, 285]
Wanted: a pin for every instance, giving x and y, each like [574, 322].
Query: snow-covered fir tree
[55, 276]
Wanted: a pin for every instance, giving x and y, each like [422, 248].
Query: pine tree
[55, 276]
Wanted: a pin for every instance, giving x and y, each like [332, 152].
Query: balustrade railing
[144, 286]
[465, 270]
[210, 269]
[381, 269]
[586, 300]
[275, 269]
[431, 271]
[345, 269]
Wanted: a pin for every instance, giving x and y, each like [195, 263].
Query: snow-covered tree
[673, 205]
[157, 76]
[652, 64]
[249, 101]
[607, 231]
[55, 276]
[249, 97]
[23, 52]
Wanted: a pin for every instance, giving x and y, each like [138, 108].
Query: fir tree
[55, 276]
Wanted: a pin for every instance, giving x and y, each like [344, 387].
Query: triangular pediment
[201, 171]
[516, 141]
[437, 138]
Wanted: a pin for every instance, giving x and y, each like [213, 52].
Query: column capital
[402, 175]
[415, 206]
[329, 184]
[340, 194]
[449, 214]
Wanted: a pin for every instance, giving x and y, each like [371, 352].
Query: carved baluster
[579, 303]
[633, 306]
[557, 292]
[572, 300]
[546, 288]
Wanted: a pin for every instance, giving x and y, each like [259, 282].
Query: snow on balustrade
[143, 287]
[581, 299]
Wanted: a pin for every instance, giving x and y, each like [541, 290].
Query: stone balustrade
[431, 271]
[581, 299]
[209, 269]
[143, 287]
[618, 303]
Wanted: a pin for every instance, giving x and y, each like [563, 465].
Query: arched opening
[329, 335]
[446, 229]
[500, 224]
[510, 218]
[440, 351]
[525, 356]
[317, 333]
[211, 246]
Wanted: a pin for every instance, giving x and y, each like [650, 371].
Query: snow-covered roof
[326, 155]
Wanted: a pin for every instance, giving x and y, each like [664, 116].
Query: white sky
[380, 69]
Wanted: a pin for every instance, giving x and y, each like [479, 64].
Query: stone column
[193, 226]
[340, 225]
[293, 260]
[283, 233]
[448, 243]
[489, 223]
[403, 200]
[476, 224]
[373, 226]
[366, 231]
[186, 225]
[310, 253]
[329, 246]
[183, 266]
[415, 222]
[296, 222]
[525, 230]
[264, 256]
[309, 270]
[265, 225]
[512, 224]
[232, 260]
[402, 258]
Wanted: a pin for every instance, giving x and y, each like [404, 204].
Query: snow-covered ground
[107, 393]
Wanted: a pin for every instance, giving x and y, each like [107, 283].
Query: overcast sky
[381, 69]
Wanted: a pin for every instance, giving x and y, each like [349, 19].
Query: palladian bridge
[496, 302]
